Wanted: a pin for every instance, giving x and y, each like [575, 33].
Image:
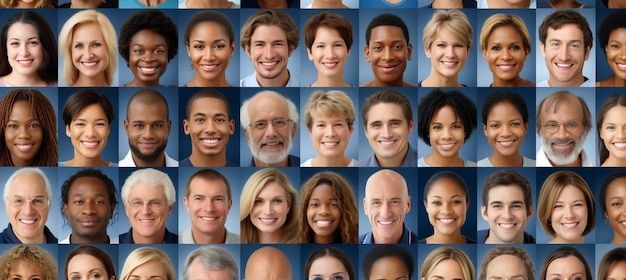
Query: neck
[613, 161]
[564, 4]
[616, 81]
[280, 81]
[198, 81]
[330, 81]
[378, 83]
[151, 3]
[323, 239]
[395, 161]
[198, 159]
[273, 4]
[200, 238]
[14, 79]
[283, 163]
[618, 239]
[326, 4]
[98, 81]
[491, 239]
[39, 239]
[19, 162]
[215, 4]
[559, 240]
[436, 160]
[504, 5]
[436, 80]
[23, 5]
[102, 238]
[339, 161]
[85, 4]
[270, 238]
[139, 83]
[575, 82]
[156, 238]
[497, 159]
[388, 240]
[160, 161]
[440, 238]
[516, 82]
[447, 4]
[616, 4]
[576, 163]
[83, 161]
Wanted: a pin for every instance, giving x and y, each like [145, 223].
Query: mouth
[89, 64]
[387, 143]
[146, 221]
[563, 145]
[272, 145]
[323, 223]
[148, 70]
[147, 145]
[507, 226]
[330, 65]
[268, 221]
[208, 219]
[269, 65]
[506, 67]
[619, 145]
[446, 221]
[506, 144]
[387, 68]
[446, 146]
[209, 67]
[570, 226]
[90, 144]
[210, 142]
[565, 66]
[386, 222]
[330, 145]
[88, 223]
[620, 66]
[28, 221]
[25, 62]
[24, 148]
[450, 64]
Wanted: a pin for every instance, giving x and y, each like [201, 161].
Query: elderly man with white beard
[269, 121]
[563, 122]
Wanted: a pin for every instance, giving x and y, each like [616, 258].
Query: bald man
[386, 202]
[147, 125]
[268, 263]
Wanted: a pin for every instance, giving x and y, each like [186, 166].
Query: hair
[387, 96]
[520, 253]
[270, 17]
[148, 97]
[499, 97]
[150, 177]
[388, 251]
[553, 101]
[66, 36]
[498, 20]
[92, 173]
[143, 255]
[49, 65]
[333, 101]
[508, 177]
[31, 171]
[454, 20]
[331, 21]
[613, 101]
[210, 16]
[613, 21]
[244, 114]
[154, 20]
[446, 175]
[342, 192]
[99, 254]
[43, 111]
[34, 256]
[7, 4]
[560, 18]
[254, 185]
[604, 187]
[386, 20]
[463, 107]
[611, 257]
[550, 191]
[83, 98]
[562, 252]
[207, 93]
[211, 258]
[443, 253]
[209, 175]
[330, 252]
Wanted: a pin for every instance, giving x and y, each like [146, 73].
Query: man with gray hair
[210, 262]
[507, 263]
[148, 196]
[269, 121]
[563, 123]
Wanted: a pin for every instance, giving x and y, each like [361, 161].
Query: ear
[291, 50]
[309, 54]
[293, 131]
[67, 131]
[247, 50]
[186, 126]
[542, 47]
[366, 51]
[169, 127]
[230, 204]
[169, 209]
[231, 127]
[530, 213]
[410, 126]
[365, 206]
[408, 205]
[186, 203]
[485, 129]
[427, 52]
[483, 212]
[187, 47]
[409, 48]
[232, 50]
[587, 52]
[65, 210]
[126, 126]
[485, 54]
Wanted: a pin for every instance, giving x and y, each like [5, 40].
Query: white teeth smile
[330, 144]
[569, 225]
[620, 145]
[209, 67]
[385, 223]
[269, 63]
[24, 147]
[25, 221]
[448, 63]
[210, 141]
[507, 226]
[89, 64]
[506, 143]
[330, 64]
[268, 221]
[89, 144]
[386, 142]
[148, 70]
[25, 62]
[446, 146]
[564, 65]
[506, 67]
[447, 221]
[621, 66]
[208, 218]
[323, 223]
[146, 220]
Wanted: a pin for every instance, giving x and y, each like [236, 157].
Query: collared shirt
[128, 161]
[408, 237]
[187, 163]
[543, 161]
[484, 233]
[292, 161]
[185, 237]
[112, 240]
[251, 81]
[410, 159]
[587, 83]
[127, 238]
[7, 236]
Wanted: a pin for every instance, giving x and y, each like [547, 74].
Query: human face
[616, 207]
[387, 52]
[272, 145]
[565, 55]
[147, 209]
[329, 52]
[154, 270]
[389, 268]
[446, 133]
[209, 50]
[505, 129]
[446, 205]
[89, 208]
[617, 270]
[507, 267]
[387, 131]
[148, 57]
[448, 54]
[446, 270]
[27, 222]
[328, 268]
[209, 126]
[563, 147]
[208, 205]
[386, 203]
[323, 213]
[90, 53]
[27, 271]
[616, 52]
[270, 209]
[330, 134]
[569, 215]
[613, 132]
[198, 272]
[567, 268]
[84, 266]
[507, 214]
[505, 53]
[89, 131]
[147, 127]
[23, 134]
[269, 52]
[24, 50]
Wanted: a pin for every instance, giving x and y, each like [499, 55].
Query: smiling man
[507, 263]
[270, 37]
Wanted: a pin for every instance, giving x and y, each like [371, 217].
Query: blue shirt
[410, 159]
[187, 163]
[127, 238]
[251, 81]
[408, 237]
[482, 237]
[292, 161]
[8, 236]
[467, 241]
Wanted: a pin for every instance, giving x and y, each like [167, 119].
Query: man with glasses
[269, 121]
[148, 196]
[27, 196]
[563, 122]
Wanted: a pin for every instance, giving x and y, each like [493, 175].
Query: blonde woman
[447, 263]
[148, 263]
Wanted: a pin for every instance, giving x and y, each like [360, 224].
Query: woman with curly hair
[29, 262]
[328, 210]
[21, 4]
[28, 135]
[148, 41]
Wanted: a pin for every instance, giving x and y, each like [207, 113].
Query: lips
[147, 144]
[507, 226]
[24, 148]
[208, 218]
[28, 221]
[89, 64]
[619, 145]
[330, 144]
[90, 144]
[268, 221]
[506, 144]
[446, 221]
[450, 64]
[88, 223]
[387, 68]
[446, 146]
[210, 142]
[564, 65]
[386, 143]
[269, 65]
[506, 67]
[147, 70]
[330, 65]
[386, 222]
[323, 223]
[570, 226]
[209, 67]
[620, 66]
[146, 221]
[25, 62]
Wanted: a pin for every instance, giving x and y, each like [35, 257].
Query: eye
[220, 120]
[138, 126]
[218, 199]
[219, 46]
[456, 202]
[496, 48]
[79, 202]
[441, 45]
[457, 126]
[557, 206]
[79, 124]
[78, 46]
[101, 124]
[616, 204]
[199, 120]
[157, 125]
[437, 127]
[314, 204]
[398, 47]
[33, 125]
[516, 124]
[96, 45]
[610, 127]
[258, 201]
[495, 125]
[496, 206]
[33, 43]
[158, 51]
[277, 201]
[515, 48]
[138, 51]
[100, 202]
[13, 126]
[436, 203]
[198, 46]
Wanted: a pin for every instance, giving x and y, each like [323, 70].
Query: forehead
[385, 111]
[569, 264]
[88, 183]
[268, 107]
[506, 264]
[506, 192]
[387, 32]
[568, 107]
[197, 271]
[385, 185]
[147, 36]
[198, 185]
[155, 111]
[19, 28]
[269, 33]
[27, 183]
[88, 29]
[446, 185]
[145, 191]
[569, 31]
[208, 105]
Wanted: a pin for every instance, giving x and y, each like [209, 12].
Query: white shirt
[588, 83]
[127, 161]
[251, 81]
[543, 161]
[112, 240]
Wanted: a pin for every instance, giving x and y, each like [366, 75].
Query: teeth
[210, 141]
[385, 222]
[621, 66]
[90, 144]
[148, 70]
[25, 62]
[564, 65]
[620, 145]
[28, 221]
[208, 218]
[386, 142]
[209, 67]
[449, 63]
[506, 143]
[507, 226]
[623, 223]
[272, 143]
[90, 64]
[269, 63]
[446, 146]
[506, 67]
[569, 225]
[267, 220]
[330, 144]
[323, 223]
[330, 64]
[446, 221]
[146, 220]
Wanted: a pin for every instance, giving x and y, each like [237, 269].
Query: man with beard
[563, 122]
[269, 121]
[147, 125]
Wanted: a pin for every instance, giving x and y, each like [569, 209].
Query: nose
[508, 211]
[23, 51]
[145, 209]
[329, 52]
[446, 133]
[88, 208]
[506, 130]
[561, 132]
[446, 208]
[506, 54]
[208, 54]
[330, 130]
[569, 212]
[385, 131]
[268, 52]
[270, 131]
[324, 210]
[23, 132]
[621, 132]
[267, 208]
[148, 132]
[385, 210]
[563, 53]
[210, 126]
[28, 208]
[148, 56]
[89, 130]
[449, 51]
[387, 53]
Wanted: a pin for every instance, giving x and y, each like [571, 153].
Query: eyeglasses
[262, 125]
[152, 204]
[36, 203]
[553, 127]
